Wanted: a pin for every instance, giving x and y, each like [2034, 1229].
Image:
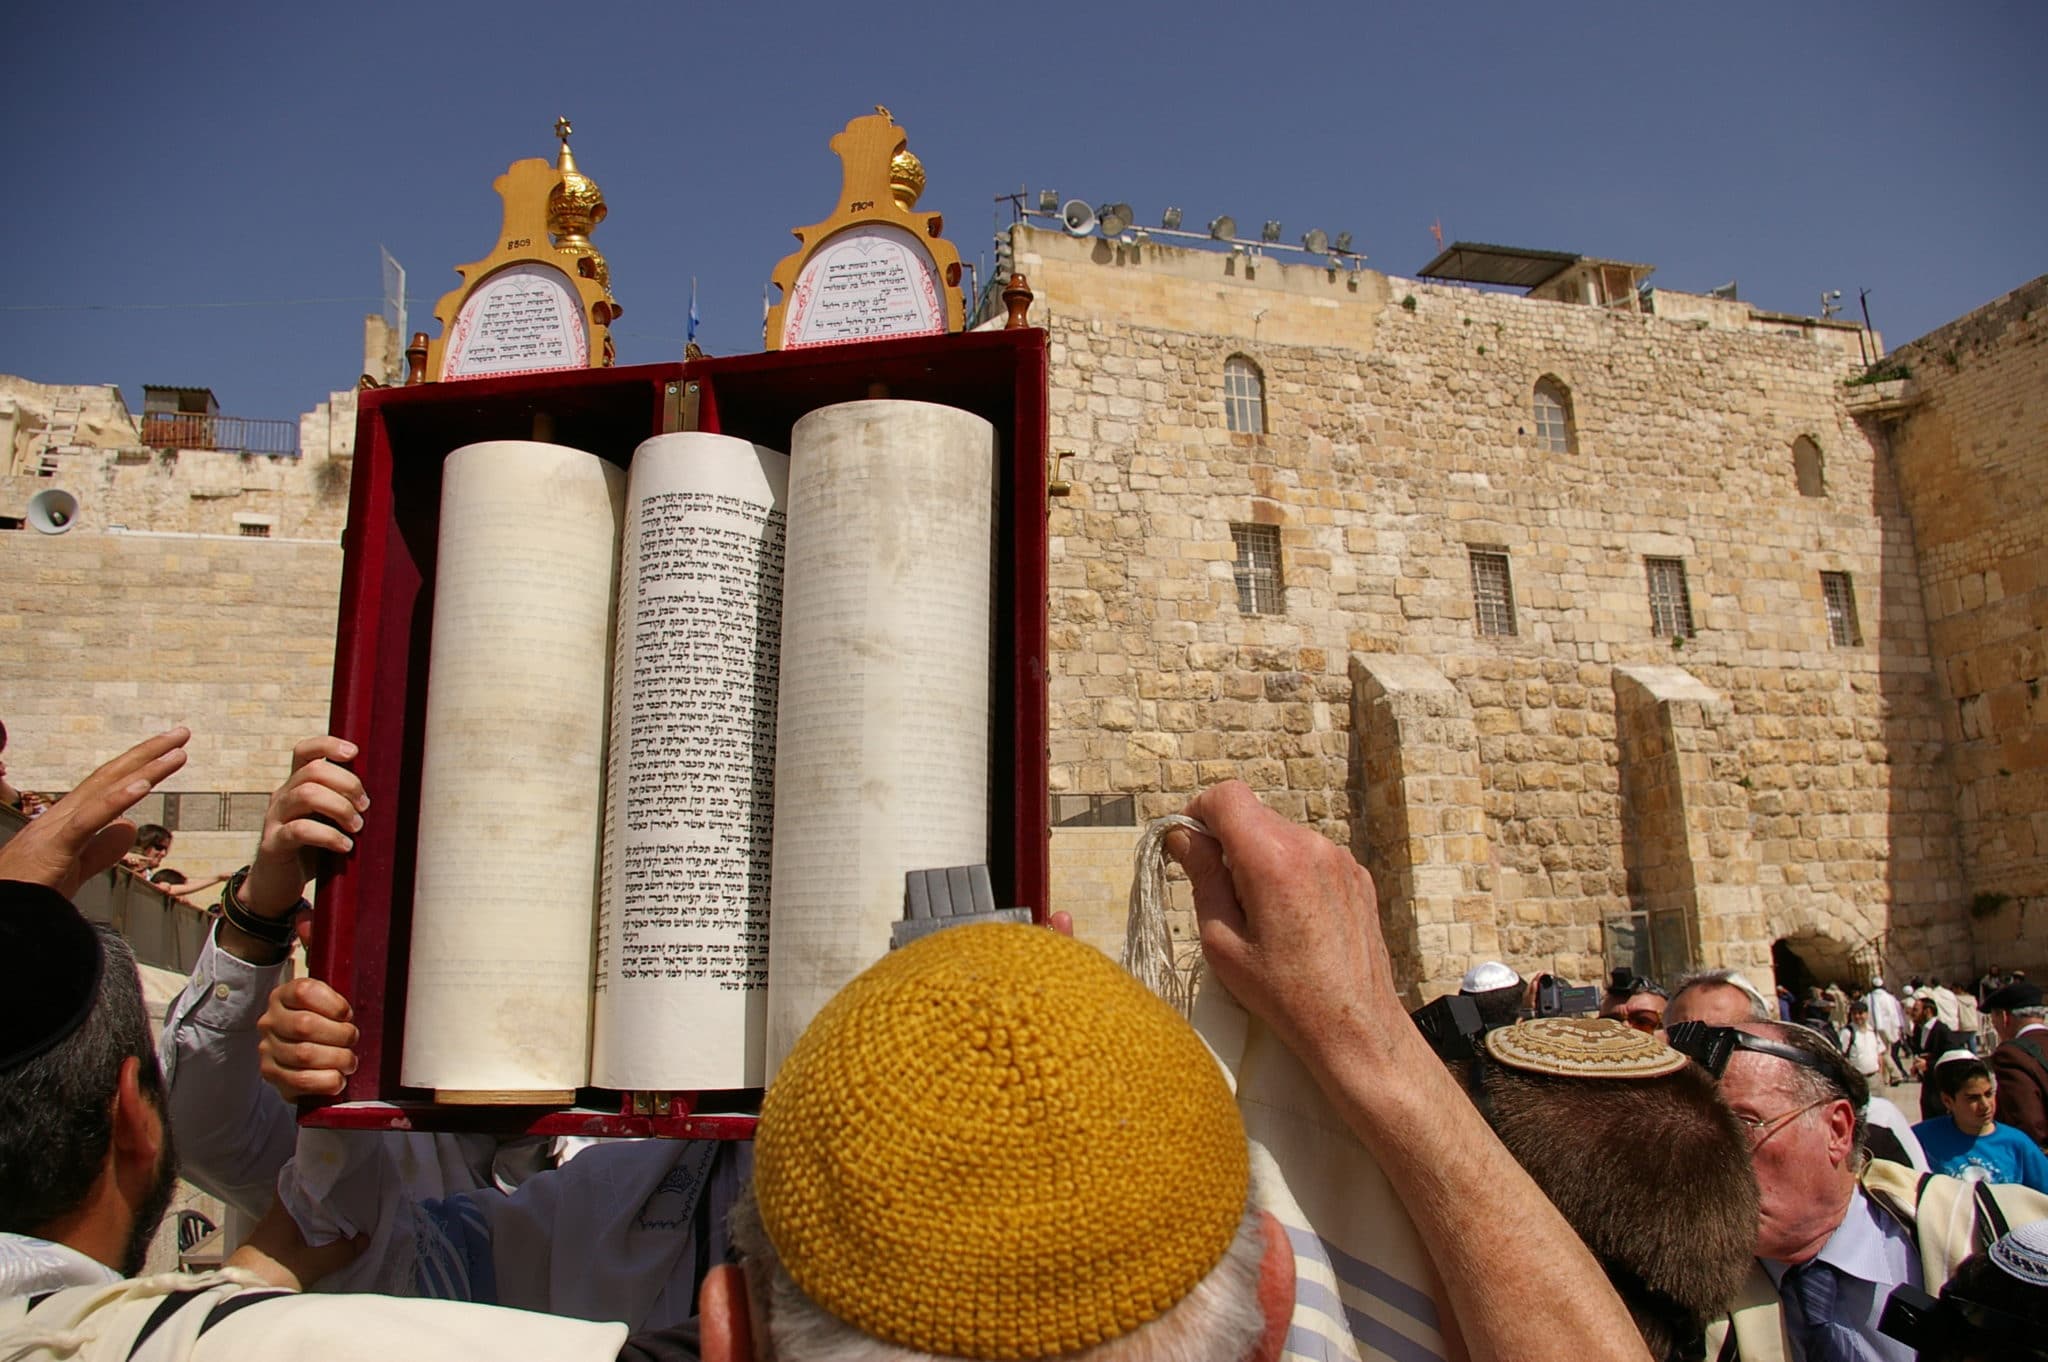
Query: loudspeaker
[52, 511]
[1078, 216]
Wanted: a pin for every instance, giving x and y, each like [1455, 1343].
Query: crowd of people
[995, 1144]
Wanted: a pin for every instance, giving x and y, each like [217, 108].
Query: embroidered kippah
[996, 1144]
[2024, 1253]
[1582, 1047]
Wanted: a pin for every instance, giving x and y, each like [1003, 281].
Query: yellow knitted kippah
[996, 1144]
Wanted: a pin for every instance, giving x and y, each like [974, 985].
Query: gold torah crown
[575, 206]
[906, 178]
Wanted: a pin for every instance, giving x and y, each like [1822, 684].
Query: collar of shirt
[31, 1267]
[2031, 1026]
[1876, 1253]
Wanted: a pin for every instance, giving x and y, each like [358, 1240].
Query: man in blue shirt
[1968, 1137]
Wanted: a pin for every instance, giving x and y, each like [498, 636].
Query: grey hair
[2029, 1013]
[1830, 1079]
[1219, 1320]
[1701, 978]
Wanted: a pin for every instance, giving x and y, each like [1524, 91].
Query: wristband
[271, 931]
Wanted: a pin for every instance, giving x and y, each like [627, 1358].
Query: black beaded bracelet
[271, 931]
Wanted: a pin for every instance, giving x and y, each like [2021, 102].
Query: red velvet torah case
[362, 930]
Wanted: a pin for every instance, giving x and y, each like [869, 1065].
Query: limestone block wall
[107, 638]
[1399, 437]
[1971, 454]
[205, 491]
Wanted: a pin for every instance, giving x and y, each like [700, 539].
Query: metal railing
[234, 434]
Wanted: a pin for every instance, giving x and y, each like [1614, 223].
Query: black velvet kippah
[56, 957]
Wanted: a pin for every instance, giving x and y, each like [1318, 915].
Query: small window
[1094, 811]
[1258, 569]
[1493, 593]
[254, 530]
[1806, 468]
[1244, 396]
[1670, 604]
[1552, 408]
[1840, 594]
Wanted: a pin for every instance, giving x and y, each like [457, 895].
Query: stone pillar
[1421, 832]
[1686, 819]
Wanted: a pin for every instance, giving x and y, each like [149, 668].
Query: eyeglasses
[1643, 1019]
[1759, 1131]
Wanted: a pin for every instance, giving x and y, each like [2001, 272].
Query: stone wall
[1969, 440]
[1399, 437]
[107, 638]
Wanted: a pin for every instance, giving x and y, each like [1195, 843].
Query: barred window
[1258, 569]
[1807, 469]
[1670, 605]
[1552, 407]
[1493, 593]
[252, 529]
[1244, 396]
[1840, 593]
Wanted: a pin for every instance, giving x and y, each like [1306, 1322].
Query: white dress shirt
[613, 1235]
[1873, 1253]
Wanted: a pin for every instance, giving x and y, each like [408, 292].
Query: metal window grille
[1258, 569]
[1553, 421]
[1094, 811]
[1493, 593]
[1670, 605]
[1244, 396]
[193, 811]
[253, 530]
[1840, 594]
[245, 812]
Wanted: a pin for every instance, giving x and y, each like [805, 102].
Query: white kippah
[2024, 1253]
[1488, 977]
[1951, 1056]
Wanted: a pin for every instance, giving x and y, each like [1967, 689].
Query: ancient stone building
[1603, 631]
[1596, 631]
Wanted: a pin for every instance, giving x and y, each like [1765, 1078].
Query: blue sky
[213, 153]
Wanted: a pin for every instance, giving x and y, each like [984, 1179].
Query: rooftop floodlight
[1170, 219]
[1315, 241]
[1344, 242]
[1223, 228]
[1048, 200]
[1114, 217]
[1270, 233]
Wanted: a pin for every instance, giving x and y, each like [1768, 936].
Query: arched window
[1552, 407]
[1244, 396]
[1806, 467]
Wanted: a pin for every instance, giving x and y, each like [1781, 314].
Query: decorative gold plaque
[876, 267]
[541, 300]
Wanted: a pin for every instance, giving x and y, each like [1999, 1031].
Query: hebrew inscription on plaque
[524, 319]
[864, 283]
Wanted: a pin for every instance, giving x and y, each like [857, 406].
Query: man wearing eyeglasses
[1836, 1232]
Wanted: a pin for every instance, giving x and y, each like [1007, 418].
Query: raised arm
[234, 1134]
[1290, 925]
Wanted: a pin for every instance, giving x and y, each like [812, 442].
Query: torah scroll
[882, 748]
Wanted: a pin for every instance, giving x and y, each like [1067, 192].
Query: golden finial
[576, 204]
[906, 178]
[883, 110]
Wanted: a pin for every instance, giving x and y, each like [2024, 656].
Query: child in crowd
[1968, 1137]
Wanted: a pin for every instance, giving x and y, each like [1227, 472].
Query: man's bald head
[1720, 997]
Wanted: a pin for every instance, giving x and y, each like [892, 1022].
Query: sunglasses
[1709, 1046]
[1642, 1019]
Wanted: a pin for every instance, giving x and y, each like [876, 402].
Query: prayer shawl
[1364, 1288]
